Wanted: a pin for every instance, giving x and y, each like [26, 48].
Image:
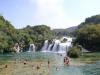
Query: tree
[9, 36]
[74, 52]
[89, 37]
[93, 20]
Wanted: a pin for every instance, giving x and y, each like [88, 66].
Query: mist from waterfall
[58, 45]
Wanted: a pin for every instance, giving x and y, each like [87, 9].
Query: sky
[53, 13]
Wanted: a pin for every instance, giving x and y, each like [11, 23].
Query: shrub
[74, 52]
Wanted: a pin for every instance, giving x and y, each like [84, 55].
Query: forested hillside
[9, 36]
[88, 34]
[93, 20]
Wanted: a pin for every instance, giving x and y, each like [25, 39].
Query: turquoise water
[59, 68]
[90, 69]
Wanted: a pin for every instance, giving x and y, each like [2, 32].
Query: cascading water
[17, 48]
[31, 48]
[62, 48]
[45, 46]
[58, 46]
[50, 47]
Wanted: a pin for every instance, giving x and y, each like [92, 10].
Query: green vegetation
[88, 34]
[89, 37]
[89, 57]
[65, 32]
[93, 20]
[74, 52]
[36, 35]
[9, 36]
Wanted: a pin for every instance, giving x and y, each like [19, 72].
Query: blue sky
[54, 13]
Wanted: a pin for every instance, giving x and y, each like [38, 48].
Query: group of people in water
[65, 61]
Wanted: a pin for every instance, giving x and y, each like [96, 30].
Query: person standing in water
[48, 63]
[66, 60]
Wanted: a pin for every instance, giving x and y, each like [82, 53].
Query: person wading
[48, 63]
[66, 60]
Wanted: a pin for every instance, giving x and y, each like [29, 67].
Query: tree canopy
[9, 36]
[93, 20]
[88, 34]
[89, 37]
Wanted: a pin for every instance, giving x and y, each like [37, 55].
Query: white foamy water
[31, 48]
[58, 45]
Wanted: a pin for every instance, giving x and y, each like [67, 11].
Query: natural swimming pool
[16, 66]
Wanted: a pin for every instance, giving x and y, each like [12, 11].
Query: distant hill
[71, 29]
[65, 32]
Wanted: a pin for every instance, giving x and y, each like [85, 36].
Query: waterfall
[62, 47]
[31, 48]
[17, 48]
[49, 48]
[45, 46]
[58, 45]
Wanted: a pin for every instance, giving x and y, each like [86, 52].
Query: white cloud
[52, 13]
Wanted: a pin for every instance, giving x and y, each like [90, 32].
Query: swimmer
[37, 67]
[24, 62]
[66, 61]
[48, 63]
[32, 65]
[6, 66]
[57, 69]
[60, 54]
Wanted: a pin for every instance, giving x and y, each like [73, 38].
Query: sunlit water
[59, 68]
